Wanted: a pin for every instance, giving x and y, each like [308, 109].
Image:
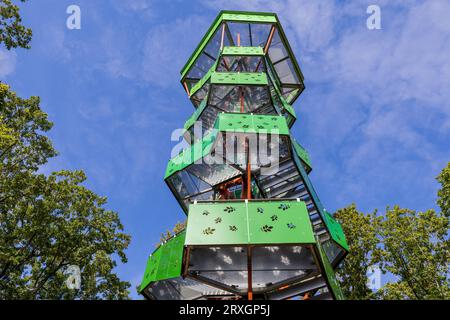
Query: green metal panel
[302, 153]
[287, 106]
[335, 228]
[330, 275]
[191, 154]
[165, 262]
[171, 258]
[242, 51]
[239, 78]
[151, 270]
[253, 222]
[251, 123]
[255, 17]
[203, 80]
[279, 222]
[194, 117]
[218, 223]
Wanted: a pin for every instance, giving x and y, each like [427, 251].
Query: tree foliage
[361, 231]
[50, 222]
[179, 226]
[415, 249]
[12, 33]
[412, 247]
[444, 192]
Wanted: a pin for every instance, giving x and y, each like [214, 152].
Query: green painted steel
[230, 78]
[252, 123]
[302, 153]
[194, 117]
[285, 104]
[242, 51]
[165, 262]
[254, 17]
[336, 231]
[249, 222]
[239, 78]
[203, 80]
[288, 107]
[151, 269]
[191, 154]
[332, 225]
[279, 222]
[218, 223]
[333, 284]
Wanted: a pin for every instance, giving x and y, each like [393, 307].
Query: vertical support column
[249, 171]
[269, 40]
[249, 273]
[186, 88]
[241, 99]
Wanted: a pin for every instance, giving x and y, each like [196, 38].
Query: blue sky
[375, 115]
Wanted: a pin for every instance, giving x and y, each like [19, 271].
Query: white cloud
[143, 6]
[7, 62]
[167, 48]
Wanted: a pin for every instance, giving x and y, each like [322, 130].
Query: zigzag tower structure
[256, 229]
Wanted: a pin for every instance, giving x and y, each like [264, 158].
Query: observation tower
[256, 228]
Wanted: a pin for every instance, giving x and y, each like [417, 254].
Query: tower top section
[247, 30]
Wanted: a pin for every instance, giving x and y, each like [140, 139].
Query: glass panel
[191, 82]
[208, 118]
[208, 57]
[241, 64]
[289, 93]
[213, 47]
[267, 150]
[226, 265]
[332, 251]
[198, 97]
[284, 262]
[191, 289]
[260, 34]
[241, 29]
[228, 98]
[225, 98]
[162, 290]
[201, 67]
[286, 72]
[185, 184]
[277, 50]
[213, 174]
